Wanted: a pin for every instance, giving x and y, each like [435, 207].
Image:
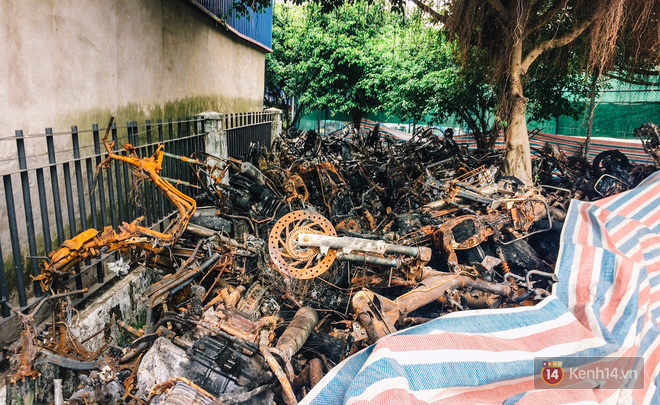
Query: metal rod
[186, 152]
[366, 259]
[120, 195]
[161, 205]
[68, 192]
[27, 206]
[71, 215]
[92, 198]
[15, 244]
[43, 206]
[183, 158]
[92, 204]
[171, 169]
[54, 182]
[130, 215]
[178, 182]
[3, 287]
[82, 211]
[97, 151]
[359, 244]
[179, 150]
[142, 206]
[149, 186]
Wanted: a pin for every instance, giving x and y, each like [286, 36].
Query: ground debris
[302, 254]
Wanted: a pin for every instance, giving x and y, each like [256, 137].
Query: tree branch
[546, 17]
[555, 43]
[641, 71]
[502, 12]
[435, 16]
[639, 82]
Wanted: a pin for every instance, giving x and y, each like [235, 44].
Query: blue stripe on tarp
[440, 375]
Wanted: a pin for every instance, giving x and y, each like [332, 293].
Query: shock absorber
[507, 269]
[505, 265]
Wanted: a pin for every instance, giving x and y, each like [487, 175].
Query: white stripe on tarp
[440, 355]
[380, 387]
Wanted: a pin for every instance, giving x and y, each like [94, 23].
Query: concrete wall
[76, 62]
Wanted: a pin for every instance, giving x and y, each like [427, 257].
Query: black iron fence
[56, 200]
[52, 193]
[246, 128]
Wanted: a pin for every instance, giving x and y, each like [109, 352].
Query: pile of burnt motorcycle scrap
[261, 296]
[611, 171]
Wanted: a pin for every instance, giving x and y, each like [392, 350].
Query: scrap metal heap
[303, 255]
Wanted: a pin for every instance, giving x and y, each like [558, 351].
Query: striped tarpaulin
[632, 148]
[606, 304]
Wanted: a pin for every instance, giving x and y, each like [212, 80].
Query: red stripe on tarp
[459, 341]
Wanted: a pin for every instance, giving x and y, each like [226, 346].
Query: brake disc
[288, 257]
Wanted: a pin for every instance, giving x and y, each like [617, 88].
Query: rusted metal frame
[28, 352]
[64, 344]
[434, 285]
[443, 237]
[151, 166]
[548, 215]
[158, 292]
[70, 253]
[289, 395]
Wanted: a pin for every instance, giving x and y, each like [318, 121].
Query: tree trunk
[297, 115]
[592, 107]
[356, 116]
[517, 158]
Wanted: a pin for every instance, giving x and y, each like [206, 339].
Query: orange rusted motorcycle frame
[91, 243]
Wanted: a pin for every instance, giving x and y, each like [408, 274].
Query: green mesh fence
[620, 108]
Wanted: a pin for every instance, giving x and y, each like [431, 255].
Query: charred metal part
[253, 173]
[29, 347]
[399, 207]
[222, 363]
[649, 134]
[552, 276]
[465, 232]
[158, 292]
[315, 371]
[100, 388]
[367, 259]
[295, 335]
[306, 239]
[179, 390]
[289, 395]
[378, 315]
[257, 396]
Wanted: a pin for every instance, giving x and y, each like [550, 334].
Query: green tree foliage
[361, 58]
[283, 78]
[329, 60]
